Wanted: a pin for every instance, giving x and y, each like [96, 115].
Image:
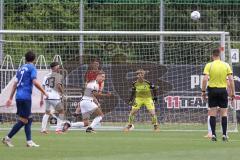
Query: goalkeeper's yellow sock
[131, 119]
[154, 120]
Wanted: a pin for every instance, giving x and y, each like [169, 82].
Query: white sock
[77, 124]
[209, 126]
[44, 122]
[29, 141]
[96, 121]
[59, 122]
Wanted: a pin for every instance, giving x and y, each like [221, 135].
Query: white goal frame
[224, 36]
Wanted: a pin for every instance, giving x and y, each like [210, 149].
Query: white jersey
[50, 83]
[90, 87]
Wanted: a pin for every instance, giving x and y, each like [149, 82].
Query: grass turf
[118, 146]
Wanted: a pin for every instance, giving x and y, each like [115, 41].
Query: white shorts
[87, 106]
[55, 103]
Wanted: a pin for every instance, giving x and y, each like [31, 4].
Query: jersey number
[22, 73]
[50, 82]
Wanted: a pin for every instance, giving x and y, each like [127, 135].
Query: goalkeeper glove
[155, 99]
[131, 103]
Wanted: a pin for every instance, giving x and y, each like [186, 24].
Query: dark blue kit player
[26, 77]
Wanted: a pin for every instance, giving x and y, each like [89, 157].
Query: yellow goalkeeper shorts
[148, 102]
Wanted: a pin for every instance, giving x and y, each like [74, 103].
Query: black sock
[224, 125]
[213, 124]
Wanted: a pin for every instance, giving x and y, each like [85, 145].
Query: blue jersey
[24, 77]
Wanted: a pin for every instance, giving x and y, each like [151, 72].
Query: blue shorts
[24, 108]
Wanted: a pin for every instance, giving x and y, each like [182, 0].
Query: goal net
[175, 61]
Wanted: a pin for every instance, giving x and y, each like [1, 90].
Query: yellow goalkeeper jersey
[143, 89]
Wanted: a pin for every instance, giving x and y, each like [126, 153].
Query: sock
[208, 125]
[44, 122]
[15, 129]
[154, 120]
[77, 124]
[30, 141]
[213, 124]
[96, 121]
[59, 122]
[224, 125]
[131, 119]
[27, 128]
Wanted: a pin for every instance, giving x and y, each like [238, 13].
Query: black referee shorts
[217, 97]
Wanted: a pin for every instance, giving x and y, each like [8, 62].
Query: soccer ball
[195, 15]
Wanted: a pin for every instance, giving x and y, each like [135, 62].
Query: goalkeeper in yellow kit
[144, 93]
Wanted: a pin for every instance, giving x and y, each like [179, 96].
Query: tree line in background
[116, 15]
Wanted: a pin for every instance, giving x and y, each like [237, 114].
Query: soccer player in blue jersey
[26, 77]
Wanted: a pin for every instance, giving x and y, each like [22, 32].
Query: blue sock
[15, 128]
[27, 128]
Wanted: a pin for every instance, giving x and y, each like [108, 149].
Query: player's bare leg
[130, 120]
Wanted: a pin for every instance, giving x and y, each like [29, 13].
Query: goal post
[121, 53]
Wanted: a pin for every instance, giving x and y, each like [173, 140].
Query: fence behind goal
[175, 62]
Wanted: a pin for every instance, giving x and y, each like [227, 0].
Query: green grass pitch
[116, 145]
